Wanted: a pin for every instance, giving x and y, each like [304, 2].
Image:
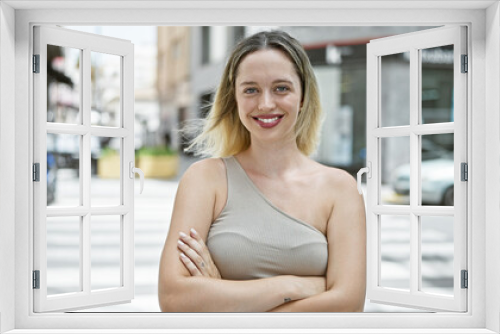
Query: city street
[152, 214]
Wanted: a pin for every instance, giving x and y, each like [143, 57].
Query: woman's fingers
[193, 270]
[196, 237]
[193, 256]
[193, 243]
[212, 268]
[194, 247]
[199, 247]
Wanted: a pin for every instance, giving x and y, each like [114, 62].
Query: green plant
[108, 152]
[156, 151]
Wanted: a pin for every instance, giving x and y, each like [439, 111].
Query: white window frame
[484, 148]
[413, 43]
[124, 131]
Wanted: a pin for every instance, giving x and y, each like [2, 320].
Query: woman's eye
[250, 90]
[282, 89]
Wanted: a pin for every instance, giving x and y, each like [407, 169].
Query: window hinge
[36, 172]
[464, 171]
[36, 279]
[465, 279]
[465, 64]
[36, 63]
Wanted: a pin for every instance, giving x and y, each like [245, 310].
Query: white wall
[213, 16]
[7, 125]
[492, 167]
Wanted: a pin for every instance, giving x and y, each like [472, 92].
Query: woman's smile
[268, 121]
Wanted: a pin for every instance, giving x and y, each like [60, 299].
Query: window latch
[368, 171]
[133, 170]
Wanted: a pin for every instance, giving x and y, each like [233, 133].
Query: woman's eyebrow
[283, 80]
[245, 83]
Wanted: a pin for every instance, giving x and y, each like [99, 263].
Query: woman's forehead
[266, 63]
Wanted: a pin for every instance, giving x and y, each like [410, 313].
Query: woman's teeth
[268, 120]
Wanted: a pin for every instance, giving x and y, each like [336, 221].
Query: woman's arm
[346, 273]
[204, 294]
[178, 291]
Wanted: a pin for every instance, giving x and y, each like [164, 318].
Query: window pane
[105, 252]
[395, 251]
[395, 170]
[63, 84]
[105, 89]
[395, 89]
[437, 84]
[105, 187]
[437, 170]
[63, 255]
[63, 170]
[437, 254]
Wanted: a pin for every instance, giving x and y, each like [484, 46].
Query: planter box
[109, 167]
[159, 166]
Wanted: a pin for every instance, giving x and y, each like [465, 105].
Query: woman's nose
[266, 102]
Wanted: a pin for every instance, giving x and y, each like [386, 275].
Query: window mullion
[85, 171]
[414, 170]
[127, 183]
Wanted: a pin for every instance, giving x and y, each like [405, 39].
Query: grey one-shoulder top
[253, 239]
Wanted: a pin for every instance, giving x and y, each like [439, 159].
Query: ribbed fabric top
[252, 238]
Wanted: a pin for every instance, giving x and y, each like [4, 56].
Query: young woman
[260, 226]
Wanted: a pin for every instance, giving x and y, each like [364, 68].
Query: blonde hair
[223, 134]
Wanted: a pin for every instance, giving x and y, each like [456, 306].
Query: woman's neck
[272, 159]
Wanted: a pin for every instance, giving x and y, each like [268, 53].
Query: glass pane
[437, 84]
[63, 84]
[437, 254]
[395, 251]
[437, 170]
[63, 255]
[395, 170]
[105, 89]
[105, 234]
[105, 187]
[63, 170]
[395, 89]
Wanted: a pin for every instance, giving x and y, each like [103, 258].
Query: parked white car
[437, 181]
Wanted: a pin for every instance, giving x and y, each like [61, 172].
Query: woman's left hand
[195, 256]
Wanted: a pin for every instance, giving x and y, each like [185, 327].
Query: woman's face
[268, 95]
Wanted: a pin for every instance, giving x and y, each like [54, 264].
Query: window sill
[248, 331]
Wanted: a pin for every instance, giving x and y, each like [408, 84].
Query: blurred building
[147, 110]
[174, 81]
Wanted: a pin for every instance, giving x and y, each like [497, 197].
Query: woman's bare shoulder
[208, 177]
[209, 169]
[337, 179]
